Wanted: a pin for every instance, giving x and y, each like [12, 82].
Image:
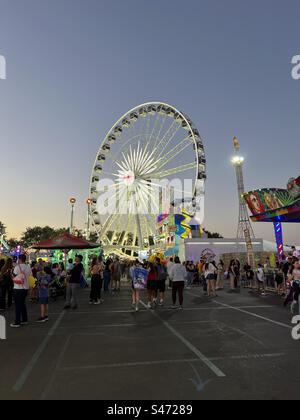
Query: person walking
[107, 275]
[73, 283]
[190, 268]
[220, 275]
[170, 264]
[178, 276]
[135, 291]
[249, 274]
[161, 280]
[152, 286]
[116, 275]
[21, 274]
[45, 279]
[210, 277]
[96, 281]
[6, 284]
[260, 275]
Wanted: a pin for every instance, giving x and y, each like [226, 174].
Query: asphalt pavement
[236, 346]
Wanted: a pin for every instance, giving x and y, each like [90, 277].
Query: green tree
[13, 243]
[61, 231]
[213, 234]
[32, 235]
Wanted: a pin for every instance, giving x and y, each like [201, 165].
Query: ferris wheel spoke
[107, 225]
[175, 151]
[154, 128]
[172, 171]
[165, 187]
[160, 131]
[165, 136]
[167, 140]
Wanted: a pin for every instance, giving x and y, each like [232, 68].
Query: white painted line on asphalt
[128, 364]
[281, 324]
[56, 367]
[35, 358]
[249, 356]
[168, 362]
[162, 309]
[190, 346]
[145, 324]
[241, 332]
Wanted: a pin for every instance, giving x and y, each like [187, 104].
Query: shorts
[43, 300]
[152, 285]
[210, 277]
[279, 280]
[161, 286]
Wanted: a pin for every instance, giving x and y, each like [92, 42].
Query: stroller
[58, 288]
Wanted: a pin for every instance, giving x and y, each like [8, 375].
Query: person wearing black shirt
[73, 283]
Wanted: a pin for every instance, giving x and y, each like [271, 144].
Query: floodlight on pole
[72, 202]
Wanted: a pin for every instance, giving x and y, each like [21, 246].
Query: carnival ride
[151, 150]
[4, 244]
[277, 206]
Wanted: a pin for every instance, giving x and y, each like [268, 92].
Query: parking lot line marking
[128, 364]
[281, 324]
[35, 358]
[190, 346]
[168, 362]
[165, 309]
[56, 367]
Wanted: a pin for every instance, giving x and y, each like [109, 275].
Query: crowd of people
[43, 281]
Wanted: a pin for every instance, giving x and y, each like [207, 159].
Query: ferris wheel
[152, 158]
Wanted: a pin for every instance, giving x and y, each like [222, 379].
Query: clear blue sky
[75, 66]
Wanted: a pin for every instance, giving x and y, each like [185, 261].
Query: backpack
[161, 272]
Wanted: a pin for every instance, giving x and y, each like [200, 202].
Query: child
[44, 281]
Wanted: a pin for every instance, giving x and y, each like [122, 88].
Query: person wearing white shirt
[21, 273]
[169, 267]
[178, 275]
[260, 279]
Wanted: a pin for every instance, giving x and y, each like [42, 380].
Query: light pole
[88, 222]
[72, 202]
[245, 230]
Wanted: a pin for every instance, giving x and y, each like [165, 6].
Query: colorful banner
[140, 277]
[268, 199]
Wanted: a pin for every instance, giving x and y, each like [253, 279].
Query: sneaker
[24, 323]
[161, 303]
[40, 320]
[180, 308]
[101, 300]
[47, 318]
[188, 287]
[136, 309]
[14, 325]
[149, 306]
[91, 302]
[97, 303]
[174, 307]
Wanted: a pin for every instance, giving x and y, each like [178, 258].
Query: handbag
[20, 278]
